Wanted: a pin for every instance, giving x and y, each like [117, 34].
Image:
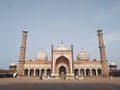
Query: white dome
[62, 47]
[41, 56]
[113, 64]
[12, 64]
[82, 56]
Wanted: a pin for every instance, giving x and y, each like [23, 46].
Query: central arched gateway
[62, 68]
[62, 72]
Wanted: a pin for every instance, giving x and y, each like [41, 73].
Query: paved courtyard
[30, 83]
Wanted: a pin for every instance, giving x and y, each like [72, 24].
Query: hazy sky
[52, 21]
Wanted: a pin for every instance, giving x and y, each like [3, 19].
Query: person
[40, 77]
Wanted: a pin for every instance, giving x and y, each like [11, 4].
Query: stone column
[39, 72]
[34, 72]
[22, 54]
[96, 72]
[85, 72]
[79, 71]
[28, 72]
[45, 72]
[91, 72]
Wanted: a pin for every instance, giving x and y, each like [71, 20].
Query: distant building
[113, 70]
[62, 65]
[113, 66]
[5, 73]
[13, 67]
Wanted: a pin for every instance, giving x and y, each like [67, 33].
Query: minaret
[102, 53]
[52, 48]
[72, 60]
[22, 54]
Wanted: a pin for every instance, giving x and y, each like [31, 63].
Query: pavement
[34, 83]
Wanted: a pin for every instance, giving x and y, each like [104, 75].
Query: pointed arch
[37, 72]
[87, 72]
[48, 72]
[93, 72]
[99, 72]
[76, 71]
[26, 72]
[31, 72]
[62, 61]
[82, 72]
[43, 72]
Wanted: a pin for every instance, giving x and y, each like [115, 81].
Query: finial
[61, 42]
[41, 49]
[99, 28]
[82, 49]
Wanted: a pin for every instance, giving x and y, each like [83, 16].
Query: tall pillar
[79, 72]
[22, 54]
[96, 72]
[85, 72]
[102, 53]
[72, 64]
[91, 74]
[52, 48]
[28, 72]
[39, 72]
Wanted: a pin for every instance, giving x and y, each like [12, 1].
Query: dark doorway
[62, 72]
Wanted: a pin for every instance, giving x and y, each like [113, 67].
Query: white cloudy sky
[52, 21]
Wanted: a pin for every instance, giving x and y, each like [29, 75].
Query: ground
[34, 83]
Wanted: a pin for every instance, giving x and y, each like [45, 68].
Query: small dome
[113, 64]
[82, 55]
[12, 64]
[62, 47]
[41, 56]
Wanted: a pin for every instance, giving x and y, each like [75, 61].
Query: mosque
[62, 64]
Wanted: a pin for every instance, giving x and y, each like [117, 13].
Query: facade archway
[76, 72]
[87, 72]
[99, 72]
[48, 72]
[93, 72]
[82, 72]
[37, 72]
[31, 72]
[62, 72]
[62, 65]
[26, 72]
[43, 72]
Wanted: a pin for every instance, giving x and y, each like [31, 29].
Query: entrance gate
[62, 72]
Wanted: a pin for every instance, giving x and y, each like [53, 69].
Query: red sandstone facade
[62, 64]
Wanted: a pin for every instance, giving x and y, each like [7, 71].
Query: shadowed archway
[62, 66]
[62, 72]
